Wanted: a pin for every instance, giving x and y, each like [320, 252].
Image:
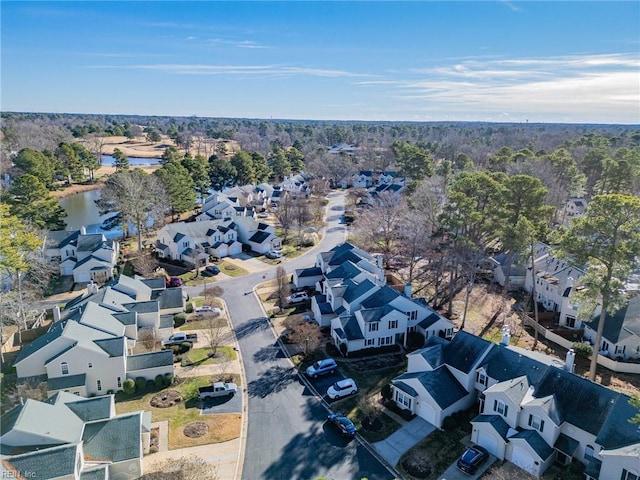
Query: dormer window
[627, 475]
[536, 423]
[185, 243]
[500, 407]
[481, 378]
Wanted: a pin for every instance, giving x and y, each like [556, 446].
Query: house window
[370, 342]
[385, 341]
[119, 382]
[64, 366]
[481, 378]
[500, 407]
[402, 399]
[588, 452]
[413, 315]
[185, 243]
[571, 322]
[68, 253]
[620, 350]
[373, 327]
[627, 475]
[90, 365]
[536, 423]
[99, 383]
[393, 324]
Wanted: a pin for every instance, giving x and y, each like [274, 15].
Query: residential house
[296, 186]
[532, 410]
[219, 206]
[195, 242]
[362, 311]
[519, 265]
[86, 257]
[621, 334]
[555, 282]
[258, 236]
[71, 437]
[87, 350]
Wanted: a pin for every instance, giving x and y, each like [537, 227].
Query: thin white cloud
[584, 86]
[204, 69]
[236, 43]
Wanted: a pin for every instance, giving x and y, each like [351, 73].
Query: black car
[212, 270]
[343, 424]
[472, 458]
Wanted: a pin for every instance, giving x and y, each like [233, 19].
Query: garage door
[522, 459]
[427, 412]
[489, 442]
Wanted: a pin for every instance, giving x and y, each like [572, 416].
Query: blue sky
[517, 61]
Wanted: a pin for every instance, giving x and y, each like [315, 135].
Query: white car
[274, 254]
[298, 297]
[263, 215]
[342, 388]
[208, 309]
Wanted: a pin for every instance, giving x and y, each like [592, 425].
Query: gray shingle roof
[351, 328]
[67, 381]
[441, 385]
[356, 290]
[89, 409]
[166, 321]
[259, 237]
[54, 332]
[405, 388]
[100, 473]
[375, 314]
[49, 463]
[497, 422]
[430, 320]
[346, 270]
[115, 439]
[115, 347]
[536, 442]
[617, 431]
[502, 364]
[624, 323]
[170, 298]
[566, 444]
[383, 296]
[309, 272]
[464, 351]
[582, 403]
[142, 307]
[149, 360]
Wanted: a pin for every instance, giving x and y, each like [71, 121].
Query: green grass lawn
[201, 324]
[222, 427]
[231, 270]
[200, 356]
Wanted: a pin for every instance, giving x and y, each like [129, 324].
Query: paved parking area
[323, 382]
[403, 439]
[453, 473]
[228, 404]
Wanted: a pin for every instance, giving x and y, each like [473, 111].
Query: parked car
[173, 282]
[179, 338]
[298, 297]
[263, 215]
[342, 388]
[211, 270]
[472, 458]
[327, 365]
[273, 254]
[218, 389]
[208, 309]
[343, 424]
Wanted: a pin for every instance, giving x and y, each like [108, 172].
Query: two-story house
[68, 436]
[195, 242]
[86, 257]
[88, 348]
[260, 237]
[219, 206]
[533, 410]
[362, 311]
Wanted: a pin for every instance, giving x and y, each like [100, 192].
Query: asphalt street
[288, 436]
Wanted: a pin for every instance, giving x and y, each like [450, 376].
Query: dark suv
[472, 458]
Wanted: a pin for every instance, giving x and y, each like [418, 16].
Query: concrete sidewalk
[403, 439]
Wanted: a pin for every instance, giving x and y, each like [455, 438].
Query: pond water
[107, 160]
[82, 211]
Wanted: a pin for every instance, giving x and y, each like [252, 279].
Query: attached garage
[523, 459]
[490, 443]
[426, 411]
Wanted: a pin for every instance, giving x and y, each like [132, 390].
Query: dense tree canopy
[29, 200]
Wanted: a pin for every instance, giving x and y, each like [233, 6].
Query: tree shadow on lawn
[272, 381]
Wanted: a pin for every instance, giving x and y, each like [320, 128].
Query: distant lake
[107, 160]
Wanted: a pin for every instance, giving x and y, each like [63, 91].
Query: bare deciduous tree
[305, 335]
[282, 286]
[285, 215]
[145, 263]
[212, 330]
[147, 337]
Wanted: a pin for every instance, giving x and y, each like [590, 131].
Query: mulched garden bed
[196, 429]
[166, 399]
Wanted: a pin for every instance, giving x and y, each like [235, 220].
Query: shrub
[343, 349]
[159, 381]
[110, 392]
[386, 392]
[177, 358]
[179, 319]
[406, 414]
[449, 423]
[141, 383]
[129, 386]
[582, 349]
[415, 340]
[151, 384]
[188, 308]
[185, 347]
[168, 379]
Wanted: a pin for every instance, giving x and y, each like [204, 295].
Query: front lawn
[371, 381]
[231, 269]
[222, 427]
[431, 457]
[200, 356]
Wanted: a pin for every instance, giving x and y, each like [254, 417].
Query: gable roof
[52, 462]
[536, 442]
[383, 296]
[356, 290]
[503, 363]
[443, 387]
[617, 431]
[496, 421]
[115, 439]
[464, 351]
[143, 361]
[622, 324]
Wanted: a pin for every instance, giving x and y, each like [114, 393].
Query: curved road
[287, 436]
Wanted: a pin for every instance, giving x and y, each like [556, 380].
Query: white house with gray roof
[362, 311]
[69, 437]
[88, 348]
[195, 242]
[532, 410]
[258, 236]
[86, 257]
[220, 206]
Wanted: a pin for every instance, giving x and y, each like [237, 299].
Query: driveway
[227, 404]
[453, 473]
[402, 440]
